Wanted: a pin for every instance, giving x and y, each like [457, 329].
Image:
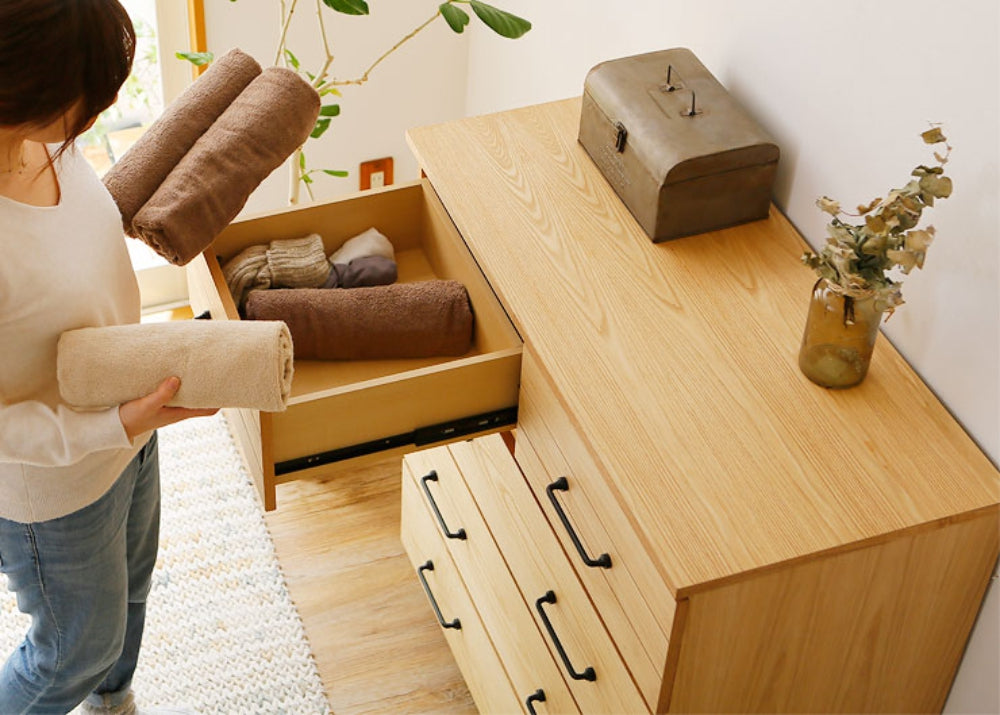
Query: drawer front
[634, 601]
[433, 475]
[561, 608]
[481, 667]
[345, 409]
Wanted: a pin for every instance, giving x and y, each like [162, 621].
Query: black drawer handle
[536, 697]
[433, 477]
[429, 566]
[562, 485]
[588, 673]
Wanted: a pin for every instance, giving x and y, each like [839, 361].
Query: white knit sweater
[61, 267]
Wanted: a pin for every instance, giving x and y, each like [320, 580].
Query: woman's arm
[31, 432]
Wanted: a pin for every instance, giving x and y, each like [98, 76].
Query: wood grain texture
[504, 614]
[470, 643]
[538, 564]
[377, 646]
[633, 615]
[678, 362]
[877, 629]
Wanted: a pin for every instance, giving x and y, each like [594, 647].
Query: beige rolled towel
[139, 173]
[269, 120]
[220, 363]
[402, 320]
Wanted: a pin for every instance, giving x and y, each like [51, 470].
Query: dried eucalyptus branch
[857, 258]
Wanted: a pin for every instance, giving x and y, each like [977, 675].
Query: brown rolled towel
[402, 320]
[220, 363]
[269, 120]
[147, 163]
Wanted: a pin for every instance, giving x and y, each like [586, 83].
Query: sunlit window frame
[178, 25]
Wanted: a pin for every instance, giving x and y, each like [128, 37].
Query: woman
[79, 491]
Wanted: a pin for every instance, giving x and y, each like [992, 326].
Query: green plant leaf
[292, 59]
[330, 89]
[329, 110]
[196, 58]
[501, 22]
[322, 125]
[456, 17]
[302, 160]
[348, 7]
[333, 172]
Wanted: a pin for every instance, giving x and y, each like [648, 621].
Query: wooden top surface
[678, 362]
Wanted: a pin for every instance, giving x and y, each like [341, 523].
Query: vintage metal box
[677, 148]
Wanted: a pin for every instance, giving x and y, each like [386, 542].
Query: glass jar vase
[839, 336]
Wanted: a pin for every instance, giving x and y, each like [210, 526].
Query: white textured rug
[222, 634]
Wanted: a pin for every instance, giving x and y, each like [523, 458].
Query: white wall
[845, 88]
[422, 83]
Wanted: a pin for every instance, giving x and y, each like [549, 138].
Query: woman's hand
[149, 412]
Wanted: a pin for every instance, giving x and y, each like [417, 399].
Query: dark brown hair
[55, 53]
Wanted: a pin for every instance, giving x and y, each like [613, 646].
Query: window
[159, 32]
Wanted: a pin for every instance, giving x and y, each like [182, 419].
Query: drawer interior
[342, 411]
[427, 246]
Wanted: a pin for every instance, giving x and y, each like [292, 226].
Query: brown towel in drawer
[220, 363]
[271, 118]
[147, 163]
[402, 320]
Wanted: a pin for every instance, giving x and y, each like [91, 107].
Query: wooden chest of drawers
[718, 533]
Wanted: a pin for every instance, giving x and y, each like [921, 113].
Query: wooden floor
[373, 634]
[372, 631]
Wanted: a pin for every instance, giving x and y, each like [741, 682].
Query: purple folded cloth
[402, 320]
[147, 163]
[362, 272]
[269, 120]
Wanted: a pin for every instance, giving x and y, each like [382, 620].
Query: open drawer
[343, 411]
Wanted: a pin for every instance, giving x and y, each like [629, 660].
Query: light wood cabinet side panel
[449, 257]
[876, 629]
[207, 289]
[254, 443]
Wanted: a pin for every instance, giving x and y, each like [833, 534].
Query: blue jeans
[83, 578]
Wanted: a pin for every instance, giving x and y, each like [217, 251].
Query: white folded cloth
[369, 243]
